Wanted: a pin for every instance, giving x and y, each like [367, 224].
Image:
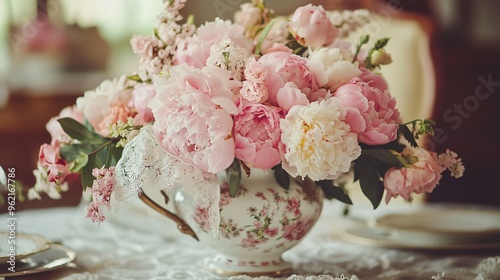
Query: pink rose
[143, 46]
[141, 96]
[297, 230]
[50, 158]
[54, 128]
[257, 135]
[311, 27]
[371, 113]
[283, 67]
[422, 176]
[271, 232]
[192, 111]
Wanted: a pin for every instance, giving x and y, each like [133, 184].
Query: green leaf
[389, 157]
[86, 175]
[381, 43]
[79, 131]
[79, 163]
[332, 191]
[408, 135]
[73, 151]
[282, 177]
[264, 33]
[369, 180]
[135, 77]
[233, 174]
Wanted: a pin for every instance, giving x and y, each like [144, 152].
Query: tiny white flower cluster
[125, 131]
[226, 56]
[348, 21]
[450, 161]
[42, 185]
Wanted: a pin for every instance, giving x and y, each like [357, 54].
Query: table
[137, 243]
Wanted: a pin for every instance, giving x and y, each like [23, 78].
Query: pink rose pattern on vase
[278, 218]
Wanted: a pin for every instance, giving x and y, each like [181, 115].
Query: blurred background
[446, 53]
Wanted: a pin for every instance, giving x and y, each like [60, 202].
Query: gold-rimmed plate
[57, 256]
[367, 235]
[15, 246]
[444, 224]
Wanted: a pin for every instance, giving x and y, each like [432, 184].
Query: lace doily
[144, 163]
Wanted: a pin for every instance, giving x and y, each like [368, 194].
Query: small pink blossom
[94, 212]
[293, 206]
[271, 232]
[311, 27]
[250, 241]
[195, 50]
[248, 16]
[101, 190]
[297, 230]
[452, 162]
[254, 92]
[257, 135]
[422, 176]
[50, 158]
[143, 46]
[201, 217]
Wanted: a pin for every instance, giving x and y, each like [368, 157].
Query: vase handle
[181, 224]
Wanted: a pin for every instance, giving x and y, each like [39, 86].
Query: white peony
[319, 144]
[332, 67]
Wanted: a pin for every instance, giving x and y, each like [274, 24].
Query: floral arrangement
[269, 92]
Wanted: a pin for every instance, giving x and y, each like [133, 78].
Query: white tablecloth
[137, 243]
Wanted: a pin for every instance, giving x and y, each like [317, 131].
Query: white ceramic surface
[17, 245]
[55, 257]
[366, 235]
[256, 226]
[444, 224]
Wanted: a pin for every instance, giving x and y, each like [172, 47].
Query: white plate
[366, 235]
[55, 257]
[23, 245]
[444, 224]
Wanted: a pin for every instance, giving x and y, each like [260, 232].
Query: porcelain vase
[256, 226]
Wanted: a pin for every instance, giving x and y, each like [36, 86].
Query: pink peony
[283, 67]
[141, 96]
[422, 176]
[289, 95]
[106, 104]
[49, 157]
[311, 27]
[371, 113]
[257, 135]
[374, 80]
[193, 116]
[54, 128]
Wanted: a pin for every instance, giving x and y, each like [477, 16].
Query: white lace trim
[145, 163]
